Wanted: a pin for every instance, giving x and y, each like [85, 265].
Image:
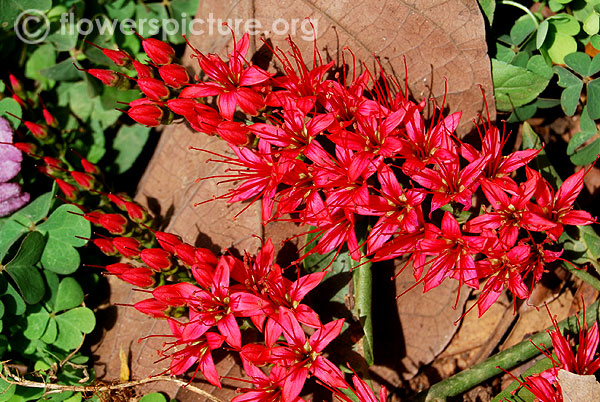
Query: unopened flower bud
[15, 84]
[108, 77]
[50, 120]
[148, 115]
[181, 106]
[69, 190]
[136, 212]
[26, 147]
[142, 70]
[186, 253]
[114, 223]
[167, 241]
[158, 51]
[174, 75]
[39, 131]
[127, 246]
[152, 307]
[142, 277]
[85, 181]
[156, 258]
[153, 88]
[106, 246]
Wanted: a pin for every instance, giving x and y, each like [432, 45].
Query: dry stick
[512, 357]
[100, 388]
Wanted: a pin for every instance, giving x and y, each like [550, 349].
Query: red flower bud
[118, 268]
[136, 212]
[50, 120]
[108, 77]
[167, 241]
[174, 75]
[114, 223]
[127, 246]
[93, 217]
[19, 100]
[153, 88]
[52, 163]
[143, 70]
[26, 147]
[69, 190]
[39, 131]
[158, 51]
[186, 253]
[156, 258]
[142, 277]
[105, 245]
[148, 115]
[152, 307]
[119, 57]
[85, 181]
[89, 167]
[181, 106]
[117, 200]
[15, 84]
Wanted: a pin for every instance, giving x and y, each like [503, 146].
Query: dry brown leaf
[428, 321]
[578, 388]
[440, 39]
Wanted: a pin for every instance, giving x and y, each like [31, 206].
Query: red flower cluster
[336, 153]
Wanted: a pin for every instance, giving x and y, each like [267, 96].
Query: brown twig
[15, 380]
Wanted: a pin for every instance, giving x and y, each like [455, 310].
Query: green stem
[522, 7]
[363, 288]
[512, 357]
[583, 275]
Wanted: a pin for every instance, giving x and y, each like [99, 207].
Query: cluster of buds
[336, 152]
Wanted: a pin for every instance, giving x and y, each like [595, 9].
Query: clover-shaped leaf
[72, 324]
[62, 228]
[593, 98]
[22, 268]
[515, 86]
[69, 295]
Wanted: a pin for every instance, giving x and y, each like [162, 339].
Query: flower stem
[512, 357]
[522, 7]
[363, 288]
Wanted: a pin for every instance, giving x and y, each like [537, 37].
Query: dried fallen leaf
[578, 388]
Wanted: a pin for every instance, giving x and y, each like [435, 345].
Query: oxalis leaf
[579, 240]
[22, 270]
[62, 228]
[72, 324]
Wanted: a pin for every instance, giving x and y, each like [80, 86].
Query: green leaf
[569, 99]
[559, 42]
[43, 57]
[184, 11]
[588, 129]
[36, 210]
[22, 270]
[7, 391]
[11, 299]
[584, 243]
[488, 7]
[595, 41]
[532, 141]
[522, 28]
[565, 23]
[363, 288]
[538, 65]
[10, 9]
[69, 295]
[591, 25]
[37, 322]
[10, 233]
[587, 154]
[65, 223]
[579, 62]
[51, 333]
[566, 78]
[153, 397]
[120, 9]
[71, 325]
[515, 86]
[9, 105]
[593, 99]
[129, 142]
[148, 12]
[60, 257]
[63, 71]
[542, 33]
[594, 65]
